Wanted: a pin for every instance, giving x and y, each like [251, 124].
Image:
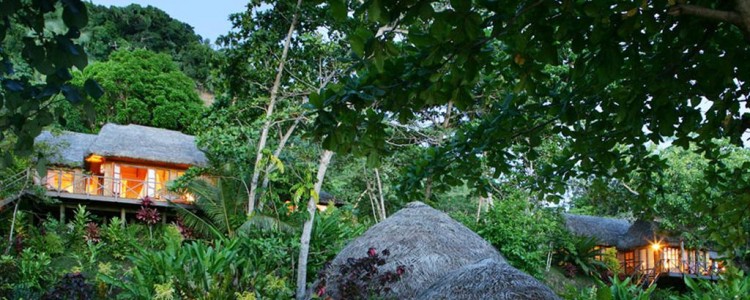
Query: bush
[580, 252]
[524, 233]
[198, 270]
[734, 284]
[120, 242]
[50, 242]
[361, 277]
[71, 286]
[616, 290]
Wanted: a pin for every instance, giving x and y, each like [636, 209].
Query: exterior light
[94, 159]
[655, 246]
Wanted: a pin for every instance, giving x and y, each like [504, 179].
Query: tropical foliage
[525, 233]
[501, 114]
[142, 87]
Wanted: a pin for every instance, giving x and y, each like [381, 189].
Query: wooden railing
[96, 185]
[647, 276]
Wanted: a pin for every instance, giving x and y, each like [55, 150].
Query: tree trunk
[269, 112]
[382, 199]
[15, 210]
[270, 168]
[304, 248]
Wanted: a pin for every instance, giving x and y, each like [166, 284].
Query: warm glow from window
[655, 246]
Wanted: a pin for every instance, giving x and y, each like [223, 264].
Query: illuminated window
[61, 181]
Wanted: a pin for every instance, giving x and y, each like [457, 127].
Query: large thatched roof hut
[431, 245]
[487, 280]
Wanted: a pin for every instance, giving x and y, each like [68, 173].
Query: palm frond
[195, 222]
[264, 222]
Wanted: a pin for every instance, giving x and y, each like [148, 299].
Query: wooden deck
[62, 195]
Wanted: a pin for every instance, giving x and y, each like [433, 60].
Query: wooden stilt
[122, 217]
[62, 213]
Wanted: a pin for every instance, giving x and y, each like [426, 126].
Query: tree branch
[706, 13]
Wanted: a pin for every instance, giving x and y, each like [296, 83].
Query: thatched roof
[608, 231]
[643, 233]
[428, 242]
[66, 148]
[147, 143]
[325, 198]
[487, 280]
[618, 232]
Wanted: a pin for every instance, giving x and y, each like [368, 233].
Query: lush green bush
[523, 232]
[207, 271]
[616, 290]
[734, 284]
[580, 252]
[141, 87]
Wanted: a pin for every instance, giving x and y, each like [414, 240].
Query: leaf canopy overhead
[609, 76]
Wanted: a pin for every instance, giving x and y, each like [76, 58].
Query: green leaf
[72, 94]
[93, 88]
[338, 9]
[603, 294]
[41, 167]
[358, 41]
[75, 13]
[375, 11]
[461, 5]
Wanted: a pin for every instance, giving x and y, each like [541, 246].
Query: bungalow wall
[115, 179]
[672, 259]
[135, 181]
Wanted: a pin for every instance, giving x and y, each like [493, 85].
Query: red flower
[146, 201]
[400, 270]
[372, 252]
[321, 291]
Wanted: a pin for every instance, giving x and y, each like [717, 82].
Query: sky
[209, 19]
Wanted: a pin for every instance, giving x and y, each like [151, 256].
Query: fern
[221, 210]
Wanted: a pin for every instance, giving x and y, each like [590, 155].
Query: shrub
[50, 242]
[198, 270]
[362, 277]
[71, 286]
[120, 242]
[524, 233]
[733, 284]
[581, 252]
[623, 290]
[34, 269]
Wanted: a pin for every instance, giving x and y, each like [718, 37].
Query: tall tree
[142, 87]
[269, 112]
[325, 160]
[136, 27]
[608, 75]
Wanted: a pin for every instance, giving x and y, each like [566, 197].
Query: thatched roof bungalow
[121, 164]
[438, 252]
[644, 249]
[131, 142]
